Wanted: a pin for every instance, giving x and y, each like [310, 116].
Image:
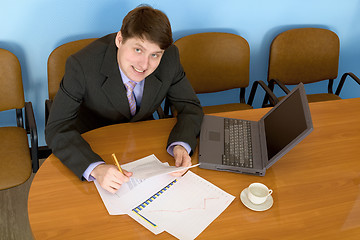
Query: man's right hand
[109, 177]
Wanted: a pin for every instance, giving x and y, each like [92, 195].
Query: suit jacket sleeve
[61, 133]
[189, 111]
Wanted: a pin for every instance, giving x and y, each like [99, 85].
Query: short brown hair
[149, 23]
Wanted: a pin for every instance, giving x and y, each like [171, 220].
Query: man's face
[137, 58]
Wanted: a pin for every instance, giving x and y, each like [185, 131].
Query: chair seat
[320, 97]
[15, 161]
[226, 108]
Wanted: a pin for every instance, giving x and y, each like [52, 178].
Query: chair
[56, 67]
[16, 159]
[306, 55]
[56, 70]
[214, 62]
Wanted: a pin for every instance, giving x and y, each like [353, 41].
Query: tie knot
[130, 85]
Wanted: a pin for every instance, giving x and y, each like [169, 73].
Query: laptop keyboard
[238, 145]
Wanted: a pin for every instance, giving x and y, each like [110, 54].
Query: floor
[14, 223]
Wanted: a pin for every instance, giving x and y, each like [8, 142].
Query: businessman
[122, 77]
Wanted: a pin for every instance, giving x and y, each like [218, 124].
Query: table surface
[316, 185]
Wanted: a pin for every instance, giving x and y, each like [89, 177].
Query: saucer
[256, 207]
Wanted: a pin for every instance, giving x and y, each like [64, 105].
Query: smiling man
[122, 77]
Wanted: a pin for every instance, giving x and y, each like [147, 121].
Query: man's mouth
[138, 70]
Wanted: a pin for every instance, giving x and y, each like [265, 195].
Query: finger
[120, 177]
[116, 182]
[111, 181]
[185, 162]
[108, 188]
[181, 160]
[126, 173]
[178, 174]
[115, 185]
[111, 190]
[179, 154]
[178, 161]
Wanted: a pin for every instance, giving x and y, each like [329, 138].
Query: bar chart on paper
[188, 206]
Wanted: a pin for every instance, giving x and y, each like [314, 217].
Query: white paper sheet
[110, 199]
[130, 194]
[188, 207]
[184, 207]
[151, 166]
[122, 202]
[142, 192]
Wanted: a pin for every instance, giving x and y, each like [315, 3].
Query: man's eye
[154, 55]
[137, 50]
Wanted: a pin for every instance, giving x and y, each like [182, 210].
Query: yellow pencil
[117, 163]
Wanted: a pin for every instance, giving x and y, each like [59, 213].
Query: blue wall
[32, 29]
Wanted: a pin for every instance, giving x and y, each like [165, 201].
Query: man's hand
[182, 159]
[109, 177]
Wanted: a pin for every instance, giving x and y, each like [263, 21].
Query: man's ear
[118, 39]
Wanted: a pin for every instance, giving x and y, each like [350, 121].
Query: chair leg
[271, 96]
[160, 113]
[32, 130]
[342, 81]
[19, 118]
[34, 158]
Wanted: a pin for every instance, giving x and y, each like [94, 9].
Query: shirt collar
[125, 79]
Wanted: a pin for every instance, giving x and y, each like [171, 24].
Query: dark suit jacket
[92, 95]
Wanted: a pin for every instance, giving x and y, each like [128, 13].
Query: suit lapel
[116, 93]
[151, 89]
[113, 86]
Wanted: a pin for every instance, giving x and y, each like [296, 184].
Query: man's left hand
[182, 159]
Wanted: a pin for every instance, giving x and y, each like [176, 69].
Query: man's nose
[144, 62]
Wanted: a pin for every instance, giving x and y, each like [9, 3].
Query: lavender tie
[132, 103]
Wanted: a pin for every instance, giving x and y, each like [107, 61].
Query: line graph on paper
[204, 205]
[192, 201]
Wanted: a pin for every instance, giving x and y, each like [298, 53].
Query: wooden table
[316, 185]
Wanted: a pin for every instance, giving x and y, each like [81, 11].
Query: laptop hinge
[263, 148]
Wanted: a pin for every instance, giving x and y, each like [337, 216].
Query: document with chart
[142, 169]
[187, 206]
[182, 206]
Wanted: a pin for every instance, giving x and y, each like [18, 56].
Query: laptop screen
[285, 124]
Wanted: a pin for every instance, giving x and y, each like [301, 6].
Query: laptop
[251, 147]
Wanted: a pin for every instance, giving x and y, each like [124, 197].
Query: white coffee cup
[258, 193]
